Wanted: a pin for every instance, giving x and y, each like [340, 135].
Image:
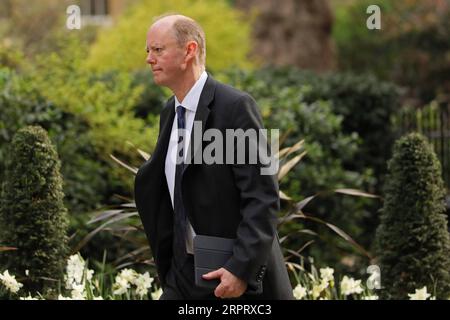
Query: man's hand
[230, 286]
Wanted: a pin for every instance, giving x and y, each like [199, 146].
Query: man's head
[175, 46]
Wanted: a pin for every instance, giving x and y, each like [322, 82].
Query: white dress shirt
[190, 103]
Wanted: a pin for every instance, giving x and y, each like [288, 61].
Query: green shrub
[366, 105]
[412, 240]
[153, 98]
[122, 47]
[355, 139]
[87, 182]
[34, 219]
[10, 56]
[281, 95]
[88, 116]
[104, 101]
[411, 49]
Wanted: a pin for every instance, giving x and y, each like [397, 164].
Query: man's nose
[150, 59]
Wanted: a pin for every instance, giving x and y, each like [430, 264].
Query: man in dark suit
[178, 197]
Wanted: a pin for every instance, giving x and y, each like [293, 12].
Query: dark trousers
[180, 284]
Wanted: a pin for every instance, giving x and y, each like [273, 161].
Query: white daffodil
[10, 282]
[350, 286]
[128, 275]
[420, 294]
[143, 282]
[60, 297]
[374, 297]
[78, 292]
[76, 277]
[89, 274]
[318, 288]
[327, 274]
[121, 286]
[74, 270]
[28, 298]
[157, 294]
[299, 292]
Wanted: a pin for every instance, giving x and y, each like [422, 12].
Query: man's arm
[259, 204]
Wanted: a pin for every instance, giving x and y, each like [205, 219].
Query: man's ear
[191, 51]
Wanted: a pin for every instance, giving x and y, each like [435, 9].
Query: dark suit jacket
[224, 200]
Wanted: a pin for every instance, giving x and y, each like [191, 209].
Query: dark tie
[179, 229]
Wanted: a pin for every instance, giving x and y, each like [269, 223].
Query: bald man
[179, 198]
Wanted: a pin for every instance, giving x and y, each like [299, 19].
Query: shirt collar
[190, 101]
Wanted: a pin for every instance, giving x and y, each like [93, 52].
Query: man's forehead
[159, 41]
[162, 26]
[159, 33]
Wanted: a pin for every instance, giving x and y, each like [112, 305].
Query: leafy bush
[122, 47]
[104, 101]
[304, 106]
[88, 116]
[10, 55]
[152, 99]
[368, 107]
[86, 179]
[33, 216]
[411, 48]
[365, 105]
[412, 240]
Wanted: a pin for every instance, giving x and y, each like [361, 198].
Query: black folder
[210, 253]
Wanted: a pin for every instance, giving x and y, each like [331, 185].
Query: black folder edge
[210, 245]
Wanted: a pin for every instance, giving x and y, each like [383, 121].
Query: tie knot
[180, 111]
[180, 117]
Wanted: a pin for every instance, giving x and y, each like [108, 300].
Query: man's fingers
[220, 291]
[213, 274]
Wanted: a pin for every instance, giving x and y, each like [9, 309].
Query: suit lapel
[201, 116]
[167, 117]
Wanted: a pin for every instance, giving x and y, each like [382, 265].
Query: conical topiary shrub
[34, 219]
[412, 241]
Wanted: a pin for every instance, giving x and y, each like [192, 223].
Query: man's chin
[157, 81]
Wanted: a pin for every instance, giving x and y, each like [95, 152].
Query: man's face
[164, 56]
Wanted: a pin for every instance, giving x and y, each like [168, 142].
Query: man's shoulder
[229, 93]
